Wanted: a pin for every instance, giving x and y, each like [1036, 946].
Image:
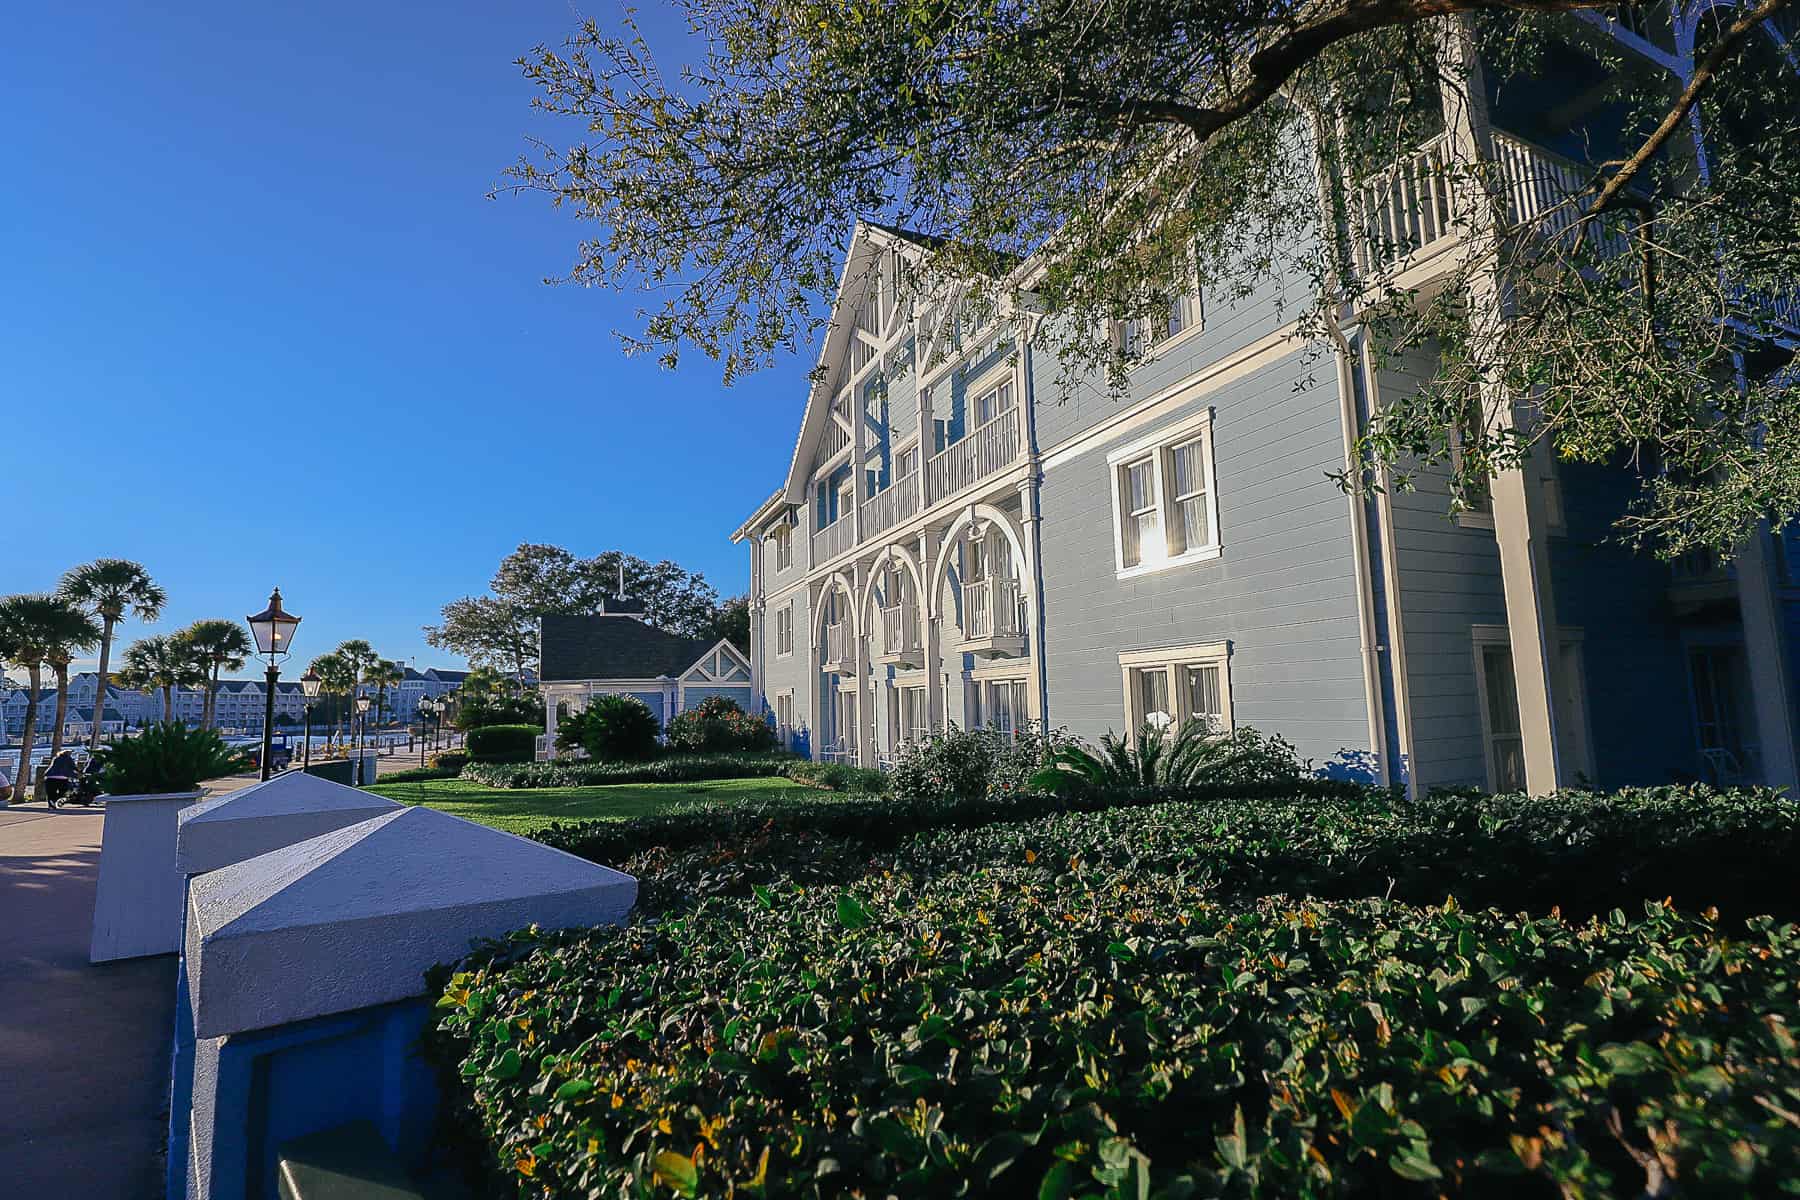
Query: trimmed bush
[873, 822]
[418, 775]
[455, 760]
[672, 768]
[717, 724]
[838, 777]
[611, 729]
[1105, 1032]
[503, 743]
[969, 763]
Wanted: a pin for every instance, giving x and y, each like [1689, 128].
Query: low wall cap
[289, 808]
[354, 917]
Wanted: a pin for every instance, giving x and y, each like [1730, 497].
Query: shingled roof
[612, 646]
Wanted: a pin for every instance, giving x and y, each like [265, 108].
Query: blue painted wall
[740, 693]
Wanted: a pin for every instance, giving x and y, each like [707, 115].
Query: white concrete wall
[138, 901]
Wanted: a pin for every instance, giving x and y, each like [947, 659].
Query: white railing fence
[984, 452]
[837, 642]
[991, 608]
[834, 539]
[891, 506]
[899, 631]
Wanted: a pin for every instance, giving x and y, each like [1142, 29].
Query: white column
[865, 750]
[1034, 583]
[933, 632]
[1519, 526]
[1772, 690]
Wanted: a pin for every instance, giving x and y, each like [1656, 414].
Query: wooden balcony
[993, 619]
[839, 658]
[987, 451]
[1700, 583]
[1414, 209]
[833, 540]
[890, 506]
[900, 637]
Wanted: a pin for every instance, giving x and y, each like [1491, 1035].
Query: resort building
[966, 537]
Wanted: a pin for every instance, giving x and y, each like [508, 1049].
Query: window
[906, 462]
[994, 402]
[784, 547]
[1137, 336]
[784, 630]
[1002, 705]
[784, 711]
[913, 722]
[1720, 679]
[1184, 683]
[1138, 502]
[1164, 502]
[1497, 687]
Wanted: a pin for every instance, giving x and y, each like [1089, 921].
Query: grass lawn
[521, 810]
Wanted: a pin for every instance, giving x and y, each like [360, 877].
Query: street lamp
[310, 683]
[427, 706]
[273, 630]
[362, 724]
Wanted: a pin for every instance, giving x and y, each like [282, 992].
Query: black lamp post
[362, 724]
[273, 630]
[310, 683]
[427, 706]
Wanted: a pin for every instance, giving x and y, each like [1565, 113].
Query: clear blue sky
[248, 254]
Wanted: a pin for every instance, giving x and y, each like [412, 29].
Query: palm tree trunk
[100, 695]
[209, 708]
[168, 702]
[62, 708]
[22, 787]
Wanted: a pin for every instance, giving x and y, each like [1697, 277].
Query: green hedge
[1104, 1031]
[874, 822]
[673, 768]
[839, 777]
[503, 743]
[419, 775]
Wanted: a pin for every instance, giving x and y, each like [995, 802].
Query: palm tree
[383, 675]
[108, 588]
[28, 627]
[337, 679]
[161, 662]
[72, 632]
[223, 646]
[362, 659]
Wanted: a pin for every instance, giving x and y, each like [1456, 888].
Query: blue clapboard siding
[694, 694]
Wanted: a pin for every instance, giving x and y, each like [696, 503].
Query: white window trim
[1196, 305]
[791, 609]
[1158, 445]
[1170, 658]
[1578, 744]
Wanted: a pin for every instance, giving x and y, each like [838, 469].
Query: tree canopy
[1087, 161]
[499, 630]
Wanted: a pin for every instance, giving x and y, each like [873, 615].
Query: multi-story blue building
[966, 536]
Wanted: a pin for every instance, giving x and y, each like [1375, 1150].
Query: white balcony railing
[891, 506]
[834, 539]
[986, 451]
[836, 438]
[899, 630]
[1414, 207]
[837, 643]
[991, 608]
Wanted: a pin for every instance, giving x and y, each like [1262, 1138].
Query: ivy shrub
[419, 775]
[719, 723]
[611, 729]
[503, 743]
[1099, 1031]
[669, 768]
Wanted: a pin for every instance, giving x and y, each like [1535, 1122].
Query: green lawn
[521, 810]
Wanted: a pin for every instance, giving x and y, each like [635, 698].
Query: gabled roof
[868, 240]
[612, 646]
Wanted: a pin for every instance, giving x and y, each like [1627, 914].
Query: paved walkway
[84, 1050]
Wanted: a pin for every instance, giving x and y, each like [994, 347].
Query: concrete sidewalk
[84, 1050]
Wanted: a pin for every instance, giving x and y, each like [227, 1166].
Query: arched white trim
[837, 581]
[1015, 537]
[892, 553]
